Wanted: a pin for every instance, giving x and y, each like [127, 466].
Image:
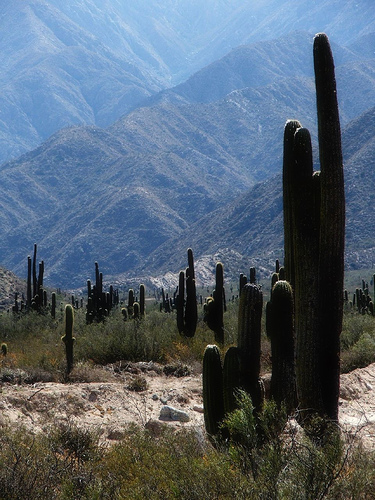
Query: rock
[198, 408]
[172, 414]
[155, 397]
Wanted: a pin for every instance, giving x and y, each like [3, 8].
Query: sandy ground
[108, 406]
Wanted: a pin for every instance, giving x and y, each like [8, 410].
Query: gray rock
[172, 414]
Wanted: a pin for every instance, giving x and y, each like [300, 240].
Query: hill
[115, 195]
[249, 231]
[85, 62]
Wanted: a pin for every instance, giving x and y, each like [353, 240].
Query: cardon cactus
[142, 306]
[213, 401]
[53, 305]
[68, 338]
[180, 302]
[249, 335]
[231, 378]
[187, 310]
[191, 307]
[280, 330]
[314, 219]
[214, 309]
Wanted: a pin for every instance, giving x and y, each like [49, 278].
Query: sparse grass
[34, 342]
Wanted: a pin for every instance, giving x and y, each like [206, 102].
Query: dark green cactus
[332, 224]
[142, 302]
[68, 338]
[243, 281]
[213, 401]
[131, 301]
[249, 336]
[29, 288]
[280, 330]
[53, 305]
[314, 221]
[231, 378]
[136, 310]
[180, 302]
[187, 310]
[288, 160]
[35, 282]
[214, 310]
[191, 307]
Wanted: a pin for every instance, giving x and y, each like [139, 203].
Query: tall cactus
[314, 219]
[214, 310]
[232, 381]
[332, 224]
[142, 306]
[29, 288]
[213, 400]
[68, 338]
[191, 308]
[53, 305]
[187, 310]
[180, 305]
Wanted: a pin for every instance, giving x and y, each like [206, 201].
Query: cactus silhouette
[68, 338]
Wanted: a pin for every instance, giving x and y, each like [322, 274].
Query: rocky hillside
[249, 231]
[89, 62]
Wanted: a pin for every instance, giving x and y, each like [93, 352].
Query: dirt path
[110, 405]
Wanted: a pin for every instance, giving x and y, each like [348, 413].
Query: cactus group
[186, 303]
[99, 303]
[314, 221]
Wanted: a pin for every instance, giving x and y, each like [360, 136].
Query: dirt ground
[108, 406]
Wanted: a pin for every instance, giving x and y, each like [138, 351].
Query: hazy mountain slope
[116, 195]
[91, 61]
[249, 232]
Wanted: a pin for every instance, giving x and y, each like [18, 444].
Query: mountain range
[89, 62]
[194, 165]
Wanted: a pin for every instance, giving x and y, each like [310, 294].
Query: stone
[172, 414]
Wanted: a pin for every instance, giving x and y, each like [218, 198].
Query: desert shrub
[67, 462]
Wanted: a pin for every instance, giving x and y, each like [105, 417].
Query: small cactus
[68, 338]
[213, 401]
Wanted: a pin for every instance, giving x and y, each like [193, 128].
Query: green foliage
[68, 462]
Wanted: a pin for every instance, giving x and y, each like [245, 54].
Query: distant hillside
[9, 285]
[115, 195]
[249, 231]
[86, 62]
